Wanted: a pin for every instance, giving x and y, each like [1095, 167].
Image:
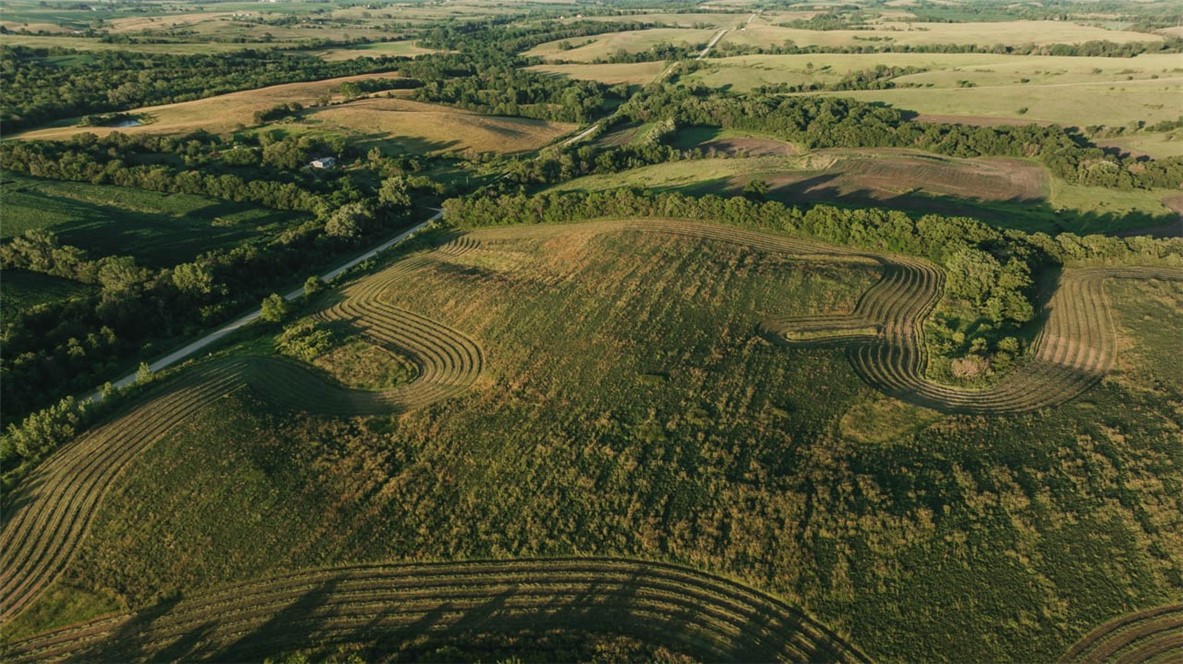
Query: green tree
[274, 308]
[313, 285]
[393, 193]
[348, 221]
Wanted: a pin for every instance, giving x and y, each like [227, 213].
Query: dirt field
[633, 73]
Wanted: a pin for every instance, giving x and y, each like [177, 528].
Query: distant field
[731, 19]
[1013, 33]
[1005, 192]
[1157, 145]
[219, 114]
[158, 229]
[431, 128]
[94, 44]
[1080, 104]
[601, 46]
[636, 73]
[374, 50]
[1078, 91]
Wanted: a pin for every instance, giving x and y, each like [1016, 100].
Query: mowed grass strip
[1151, 635]
[386, 605]
[219, 114]
[434, 128]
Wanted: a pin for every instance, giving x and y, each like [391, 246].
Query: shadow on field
[416, 617]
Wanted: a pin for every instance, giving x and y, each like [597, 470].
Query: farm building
[324, 162]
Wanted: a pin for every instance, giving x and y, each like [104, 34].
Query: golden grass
[219, 114]
[630, 41]
[759, 33]
[635, 73]
[434, 128]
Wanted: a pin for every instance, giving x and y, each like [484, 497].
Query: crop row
[380, 606]
[1142, 637]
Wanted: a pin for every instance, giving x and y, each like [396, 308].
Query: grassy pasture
[650, 420]
[1004, 192]
[633, 73]
[1014, 33]
[21, 291]
[1157, 145]
[219, 114]
[601, 46]
[1078, 104]
[419, 127]
[94, 44]
[1076, 91]
[158, 229]
[716, 20]
[373, 50]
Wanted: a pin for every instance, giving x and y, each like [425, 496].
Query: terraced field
[1146, 637]
[381, 606]
[1075, 349]
[48, 517]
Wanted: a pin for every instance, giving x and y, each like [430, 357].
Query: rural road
[711, 44]
[239, 323]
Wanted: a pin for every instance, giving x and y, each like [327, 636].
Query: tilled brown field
[1143, 637]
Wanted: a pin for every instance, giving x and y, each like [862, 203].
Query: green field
[651, 421]
[1015, 33]
[586, 49]
[1002, 192]
[158, 229]
[21, 291]
[1068, 90]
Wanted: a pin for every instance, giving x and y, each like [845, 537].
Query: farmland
[594, 48]
[431, 128]
[219, 114]
[158, 229]
[1019, 89]
[543, 330]
[504, 367]
[1005, 192]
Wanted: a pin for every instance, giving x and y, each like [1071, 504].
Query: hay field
[433, 128]
[219, 114]
[374, 50]
[94, 44]
[1075, 104]
[1014, 33]
[653, 419]
[634, 73]
[631, 41]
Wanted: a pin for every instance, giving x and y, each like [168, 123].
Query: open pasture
[586, 49]
[1013, 33]
[159, 229]
[424, 128]
[652, 420]
[1006, 192]
[372, 50]
[220, 114]
[96, 44]
[632, 73]
[388, 609]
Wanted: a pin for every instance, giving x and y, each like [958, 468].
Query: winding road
[239, 323]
